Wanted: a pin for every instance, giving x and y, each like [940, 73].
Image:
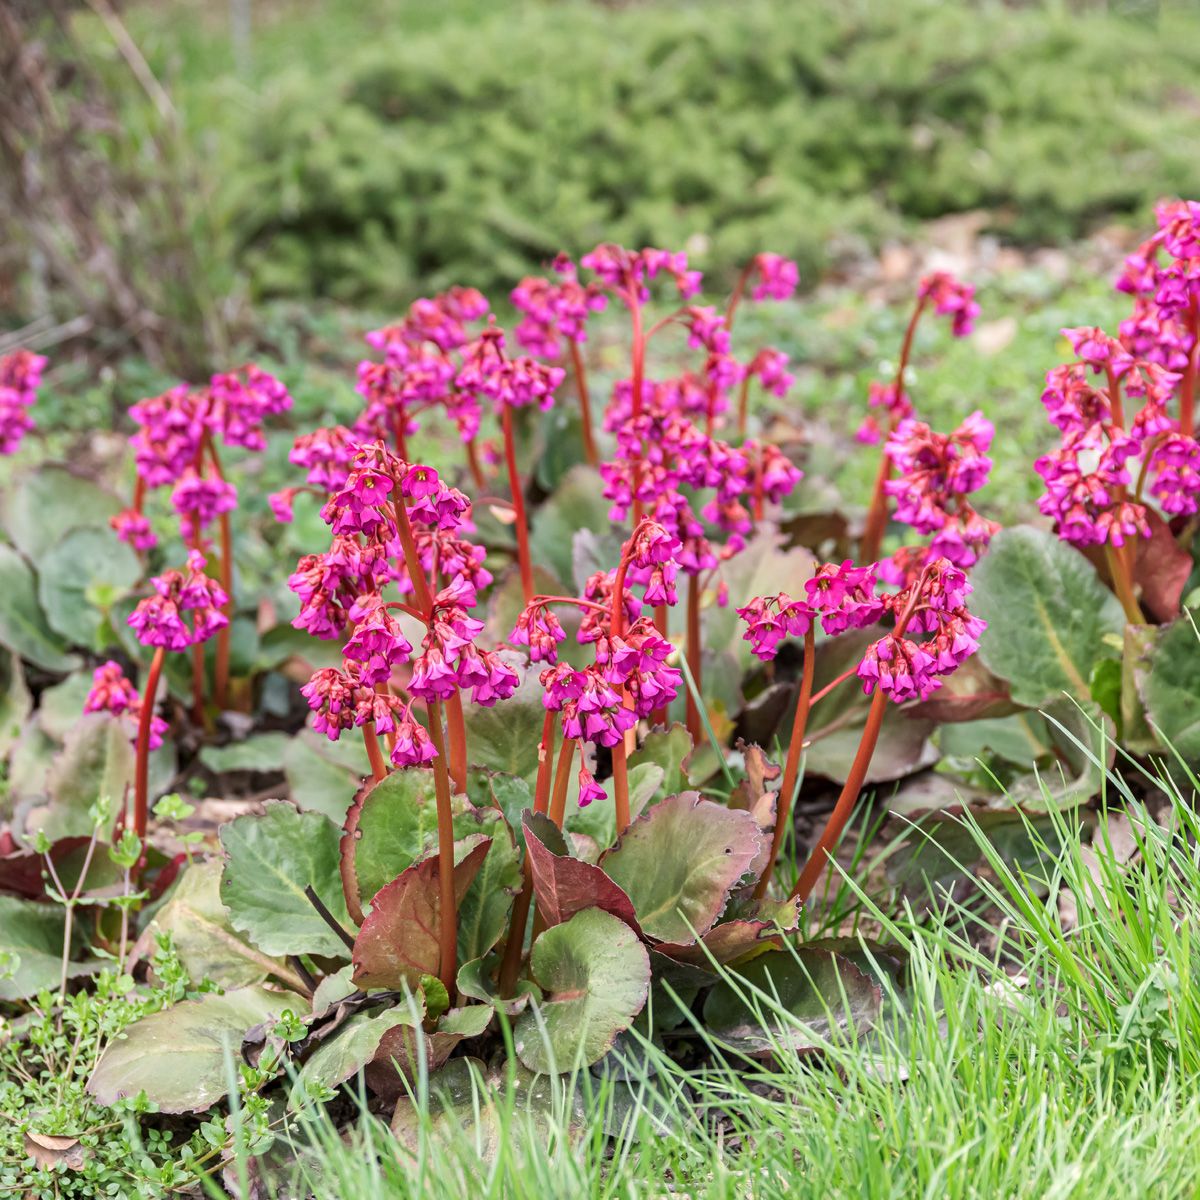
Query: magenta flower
[776, 277]
[414, 747]
[113, 693]
[133, 528]
[199, 500]
[20, 378]
[538, 628]
[158, 620]
[951, 298]
[589, 789]
[326, 455]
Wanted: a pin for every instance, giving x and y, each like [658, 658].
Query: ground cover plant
[548, 681]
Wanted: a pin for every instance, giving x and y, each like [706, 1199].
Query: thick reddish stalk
[845, 802]
[694, 653]
[562, 777]
[620, 787]
[872, 538]
[141, 787]
[473, 463]
[791, 770]
[585, 404]
[448, 908]
[1118, 566]
[456, 732]
[743, 406]
[398, 433]
[374, 754]
[515, 943]
[524, 562]
[225, 633]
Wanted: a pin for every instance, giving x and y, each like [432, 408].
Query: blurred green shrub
[477, 151]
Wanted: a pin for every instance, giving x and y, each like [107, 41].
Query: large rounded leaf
[679, 861]
[48, 503]
[1048, 615]
[180, 1057]
[23, 626]
[596, 976]
[81, 577]
[811, 994]
[271, 859]
[505, 737]
[399, 941]
[578, 503]
[32, 934]
[350, 1048]
[1170, 687]
[563, 885]
[321, 776]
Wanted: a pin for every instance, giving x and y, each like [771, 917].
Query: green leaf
[96, 761]
[679, 861]
[484, 910]
[80, 577]
[1047, 612]
[317, 780]
[477, 979]
[15, 701]
[819, 992]
[1169, 683]
[578, 503]
[598, 820]
[23, 625]
[596, 976]
[669, 749]
[564, 885]
[180, 1057]
[199, 925]
[271, 858]
[350, 1048]
[735, 939]
[403, 1051]
[34, 934]
[50, 502]
[399, 940]
[261, 752]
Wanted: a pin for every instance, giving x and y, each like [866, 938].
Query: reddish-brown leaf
[399, 939]
[1161, 570]
[564, 885]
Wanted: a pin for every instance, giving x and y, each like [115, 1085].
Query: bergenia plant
[175, 446]
[950, 298]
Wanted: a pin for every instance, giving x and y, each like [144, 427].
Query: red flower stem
[198, 674]
[846, 801]
[1122, 578]
[694, 652]
[562, 776]
[385, 689]
[398, 433]
[515, 943]
[830, 686]
[1187, 387]
[759, 499]
[448, 959]
[662, 623]
[141, 787]
[585, 404]
[620, 786]
[743, 406]
[872, 538]
[739, 290]
[378, 765]
[524, 562]
[858, 771]
[791, 770]
[400, 606]
[576, 600]
[473, 463]
[412, 560]
[457, 733]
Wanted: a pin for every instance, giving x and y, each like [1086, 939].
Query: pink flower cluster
[555, 310]
[418, 373]
[628, 272]
[1088, 476]
[384, 508]
[775, 277]
[112, 692]
[950, 298]
[174, 446]
[933, 604]
[934, 474]
[513, 382]
[841, 596]
[159, 619]
[20, 378]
